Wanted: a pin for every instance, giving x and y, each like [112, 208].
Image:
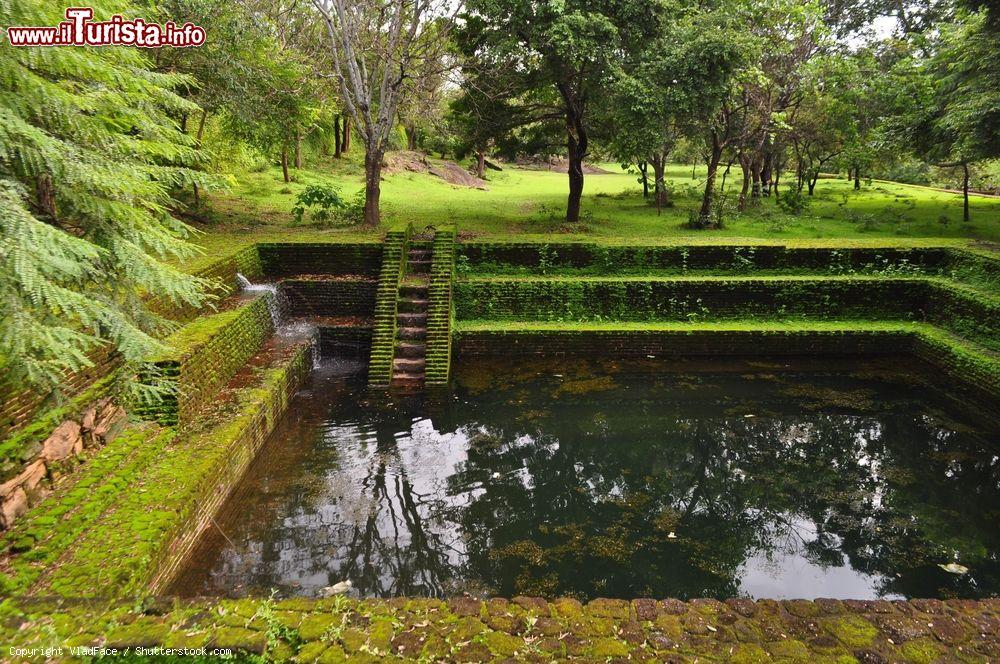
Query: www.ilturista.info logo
[79, 30]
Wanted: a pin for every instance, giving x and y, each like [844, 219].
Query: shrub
[793, 201]
[323, 197]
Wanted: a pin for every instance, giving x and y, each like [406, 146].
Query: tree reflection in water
[635, 483]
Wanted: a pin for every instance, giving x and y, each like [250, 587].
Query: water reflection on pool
[616, 479]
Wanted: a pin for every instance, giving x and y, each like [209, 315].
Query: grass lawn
[531, 204]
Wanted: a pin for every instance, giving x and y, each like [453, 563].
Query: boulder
[14, 505]
[65, 440]
[109, 424]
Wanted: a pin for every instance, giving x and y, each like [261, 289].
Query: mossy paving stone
[900, 628]
[409, 643]
[472, 652]
[501, 644]
[314, 626]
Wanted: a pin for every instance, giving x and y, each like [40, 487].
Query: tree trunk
[756, 166]
[765, 174]
[480, 164]
[705, 214]
[45, 193]
[812, 182]
[197, 145]
[741, 205]
[346, 145]
[411, 138]
[373, 187]
[298, 149]
[659, 162]
[576, 148]
[965, 192]
[337, 146]
[284, 163]
[644, 173]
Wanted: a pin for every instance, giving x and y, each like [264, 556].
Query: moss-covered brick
[203, 356]
[285, 259]
[439, 308]
[354, 296]
[384, 331]
[157, 511]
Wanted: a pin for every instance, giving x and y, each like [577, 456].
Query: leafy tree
[682, 73]
[376, 47]
[576, 48]
[89, 154]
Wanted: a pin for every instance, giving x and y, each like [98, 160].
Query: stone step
[411, 333]
[411, 306]
[407, 381]
[419, 267]
[418, 291]
[411, 365]
[409, 349]
[421, 252]
[404, 319]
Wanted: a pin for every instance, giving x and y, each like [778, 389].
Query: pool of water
[616, 479]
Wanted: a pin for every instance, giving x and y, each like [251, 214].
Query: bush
[323, 197]
[793, 201]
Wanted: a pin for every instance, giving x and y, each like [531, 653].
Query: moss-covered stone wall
[599, 258]
[292, 259]
[529, 629]
[122, 525]
[384, 330]
[352, 342]
[329, 297]
[439, 308]
[204, 355]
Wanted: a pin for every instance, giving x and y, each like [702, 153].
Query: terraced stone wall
[19, 407]
[330, 297]
[384, 331]
[205, 355]
[294, 259]
[513, 257]
[439, 308]
[612, 342]
[653, 298]
[351, 342]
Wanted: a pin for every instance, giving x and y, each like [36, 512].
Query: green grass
[531, 203]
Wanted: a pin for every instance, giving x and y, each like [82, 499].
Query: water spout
[276, 304]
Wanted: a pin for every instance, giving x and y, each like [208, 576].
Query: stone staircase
[409, 361]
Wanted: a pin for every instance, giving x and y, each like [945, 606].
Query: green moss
[921, 651]
[316, 625]
[790, 649]
[608, 647]
[501, 644]
[852, 630]
[749, 653]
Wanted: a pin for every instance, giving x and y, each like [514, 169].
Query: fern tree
[89, 152]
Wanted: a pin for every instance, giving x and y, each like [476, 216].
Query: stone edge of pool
[523, 629]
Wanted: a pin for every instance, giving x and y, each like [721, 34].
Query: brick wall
[666, 299]
[289, 259]
[352, 342]
[640, 343]
[611, 259]
[341, 297]
[201, 367]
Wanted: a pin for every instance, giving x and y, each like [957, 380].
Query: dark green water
[617, 479]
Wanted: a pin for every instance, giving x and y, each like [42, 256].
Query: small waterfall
[277, 304]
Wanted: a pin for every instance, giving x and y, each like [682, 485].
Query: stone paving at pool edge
[529, 629]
